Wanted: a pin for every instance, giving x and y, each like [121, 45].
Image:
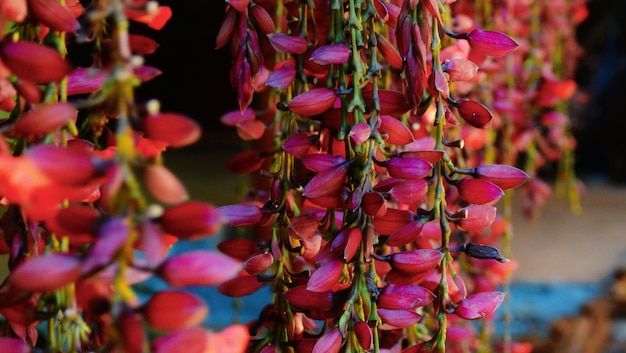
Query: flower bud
[240, 286]
[491, 43]
[415, 261]
[198, 268]
[410, 192]
[29, 90]
[389, 52]
[52, 271]
[330, 342]
[297, 145]
[326, 277]
[318, 162]
[394, 131]
[112, 234]
[304, 299]
[45, 119]
[479, 191]
[405, 234]
[238, 248]
[173, 310]
[191, 220]
[53, 14]
[258, 263]
[373, 203]
[34, 62]
[239, 215]
[14, 345]
[477, 217]
[392, 220]
[194, 339]
[360, 133]
[459, 69]
[287, 44]
[263, 19]
[474, 113]
[364, 336]
[175, 129]
[399, 318]
[245, 162]
[281, 77]
[504, 176]
[408, 167]
[404, 296]
[164, 185]
[312, 102]
[392, 103]
[55, 162]
[132, 332]
[479, 305]
[327, 182]
[331, 54]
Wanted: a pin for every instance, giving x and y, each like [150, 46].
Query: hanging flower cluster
[384, 135]
[88, 206]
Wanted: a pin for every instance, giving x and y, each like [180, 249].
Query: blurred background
[566, 260]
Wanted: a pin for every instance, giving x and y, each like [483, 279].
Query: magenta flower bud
[239, 5]
[478, 217]
[191, 220]
[34, 62]
[226, 28]
[392, 103]
[263, 19]
[287, 44]
[304, 227]
[239, 248]
[164, 185]
[234, 117]
[245, 162]
[479, 305]
[239, 215]
[47, 118]
[479, 191]
[429, 155]
[258, 263]
[326, 277]
[55, 161]
[389, 52]
[112, 234]
[53, 14]
[459, 69]
[394, 131]
[297, 145]
[330, 342]
[240, 286]
[194, 339]
[405, 234]
[408, 168]
[491, 43]
[360, 133]
[53, 271]
[319, 162]
[133, 335]
[175, 129]
[326, 182]
[173, 310]
[504, 176]
[281, 77]
[304, 299]
[373, 203]
[474, 113]
[364, 336]
[415, 261]
[14, 345]
[313, 102]
[331, 54]
[399, 318]
[404, 296]
[198, 268]
[346, 243]
[392, 220]
[410, 192]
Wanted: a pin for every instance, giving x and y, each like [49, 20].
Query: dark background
[195, 79]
